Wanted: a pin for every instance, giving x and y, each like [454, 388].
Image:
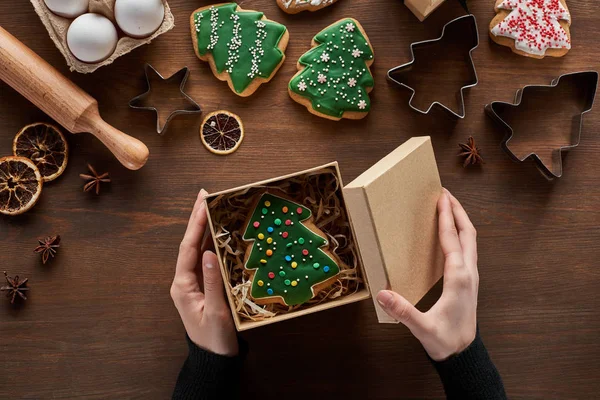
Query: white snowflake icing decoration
[350, 27]
[322, 78]
[302, 86]
[324, 57]
[362, 104]
[356, 53]
[351, 82]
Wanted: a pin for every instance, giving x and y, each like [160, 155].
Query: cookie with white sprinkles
[334, 77]
[243, 47]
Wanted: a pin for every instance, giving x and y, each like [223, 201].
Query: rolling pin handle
[131, 152]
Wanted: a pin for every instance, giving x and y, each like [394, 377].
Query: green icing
[241, 43]
[336, 75]
[311, 268]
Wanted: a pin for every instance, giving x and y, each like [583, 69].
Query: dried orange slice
[222, 132]
[46, 146]
[20, 185]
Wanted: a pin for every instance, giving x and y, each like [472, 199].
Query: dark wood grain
[100, 323]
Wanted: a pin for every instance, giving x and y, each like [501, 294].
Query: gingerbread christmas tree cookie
[242, 47]
[334, 79]
[288, 254]
[532, 28]
[296, 6]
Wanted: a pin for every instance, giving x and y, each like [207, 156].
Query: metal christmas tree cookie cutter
[466, 26]
[180, 77]
[586, 81]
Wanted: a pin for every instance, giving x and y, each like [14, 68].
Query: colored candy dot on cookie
[269, 291]
[277, 222]
[270, 240]
[294, 283]
[288, 258]
[284, 210]
[271, 275]
[267, 203]
[305, 252]
[299, 210]
[289, 245]
[263, 261]
[285, 235]
[269, 252]
[294, 264]
[270, 229]
[282, 273]
[260, 283]
[261, 236]
[325, 269]
[265, 211]
[256, 224]
[301, 240]
[287, 282]
[316, 266]
[288, 222]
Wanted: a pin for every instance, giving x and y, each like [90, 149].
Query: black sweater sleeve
[471, 375]
[207, 376]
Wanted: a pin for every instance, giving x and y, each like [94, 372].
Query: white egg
[139, 18]
[68, 8]
[92, 38]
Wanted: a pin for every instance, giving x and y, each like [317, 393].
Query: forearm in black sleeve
[471, 375]
[209, 376]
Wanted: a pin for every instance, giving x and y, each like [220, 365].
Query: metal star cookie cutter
[140, 102]
[588, 94]
[467, 28]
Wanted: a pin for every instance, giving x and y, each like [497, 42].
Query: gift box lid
[393, 209]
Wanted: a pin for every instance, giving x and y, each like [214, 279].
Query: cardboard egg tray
[58, 26]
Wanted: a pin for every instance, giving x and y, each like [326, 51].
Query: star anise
[16, 287]
[470, 152]
[48, 247]
[94, 180]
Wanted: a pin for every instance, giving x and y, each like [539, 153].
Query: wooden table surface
[100, 322]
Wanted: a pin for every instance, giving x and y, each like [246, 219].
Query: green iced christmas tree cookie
[287, 256]
[334, 79]
[243, 47]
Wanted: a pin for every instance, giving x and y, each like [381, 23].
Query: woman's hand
[206, 316]
[450, 325]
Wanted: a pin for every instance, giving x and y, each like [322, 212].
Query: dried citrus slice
[222, 132]
[20, 185]
[46, 146]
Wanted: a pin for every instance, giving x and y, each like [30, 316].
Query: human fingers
[214, 292]
[189, 248]
[207, 242]
[448, 234]
[402, 310]
[466, 231]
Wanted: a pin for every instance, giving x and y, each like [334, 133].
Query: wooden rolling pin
[62, 100]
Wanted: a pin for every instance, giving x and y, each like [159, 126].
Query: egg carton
[57, 27]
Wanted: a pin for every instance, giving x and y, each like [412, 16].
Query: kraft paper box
[422, 8]
[390, 212]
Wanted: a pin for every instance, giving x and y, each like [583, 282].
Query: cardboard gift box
[390, 212]
[423, 8]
